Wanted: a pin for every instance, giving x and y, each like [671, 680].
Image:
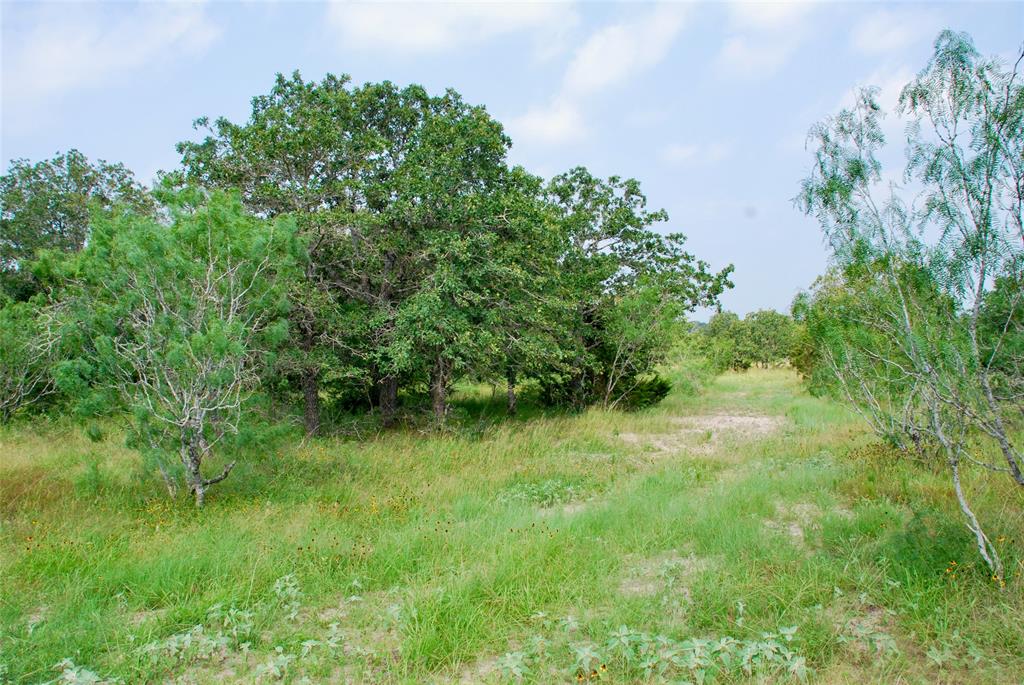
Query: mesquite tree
[181, 317]
[920, 323]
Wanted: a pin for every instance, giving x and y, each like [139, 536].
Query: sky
[706, 104]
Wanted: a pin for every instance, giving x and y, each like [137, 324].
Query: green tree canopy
[47, 205]
[619, 275]
[411, 214]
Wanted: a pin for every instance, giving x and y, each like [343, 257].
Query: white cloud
[698, 153]
[614, 53]
[768, 15]
[888, 31]
[678, 153]
[71, 46]
[754, 57]
[609, 57]
[420, 28]
[559, 122]
[764, 36]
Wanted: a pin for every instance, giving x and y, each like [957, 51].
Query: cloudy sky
[707, 104]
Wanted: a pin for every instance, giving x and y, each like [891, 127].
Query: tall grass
[437, 554]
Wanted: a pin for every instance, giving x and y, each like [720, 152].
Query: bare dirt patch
[743, 425]
[792, 529]
[146, 615]
[567, 509]
[794, 520]
[669, 571]
[865, 629]
[704, 434]
[37, 617]
[479, 671]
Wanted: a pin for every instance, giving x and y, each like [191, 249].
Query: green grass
[508, 544]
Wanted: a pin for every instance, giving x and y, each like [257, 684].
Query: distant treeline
[762, 338]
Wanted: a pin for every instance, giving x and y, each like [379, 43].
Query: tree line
[358, 246]
[763, 338]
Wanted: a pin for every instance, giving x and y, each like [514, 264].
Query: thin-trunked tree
[920, 322]
[181, 317]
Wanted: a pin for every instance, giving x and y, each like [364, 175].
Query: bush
[647, 392]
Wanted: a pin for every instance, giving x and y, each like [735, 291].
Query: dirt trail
[704, 434]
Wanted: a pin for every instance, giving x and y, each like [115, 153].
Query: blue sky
[707, 104]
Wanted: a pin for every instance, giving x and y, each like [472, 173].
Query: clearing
[748, 532]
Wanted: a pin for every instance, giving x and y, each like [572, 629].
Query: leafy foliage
[763, 338]
[625, 287]
[47, 205]
[381, 230]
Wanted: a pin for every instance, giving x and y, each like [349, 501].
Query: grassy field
[748, 532]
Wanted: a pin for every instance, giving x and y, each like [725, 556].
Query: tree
[904, 330]
[763, 337]
[46, 206]
[1001, 338]
[180, 319]
[638, 330]
[771, 336]
[525, 302]
[293, 157]
[619, 278]
[725, 342]
[432, 259]
[404, 199]
[804, 354]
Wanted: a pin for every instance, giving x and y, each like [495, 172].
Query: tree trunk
[192, 459]
[985, 547]
[311, 396]
[439, 377]
[579, 392]
[387, 389]
[510, 376]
